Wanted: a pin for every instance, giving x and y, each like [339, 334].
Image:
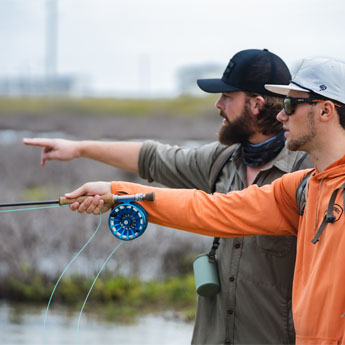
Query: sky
[136, 47]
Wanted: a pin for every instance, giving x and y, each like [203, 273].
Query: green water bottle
[206, 276]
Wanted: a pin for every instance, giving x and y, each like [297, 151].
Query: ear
[256, 104]
[328, 111]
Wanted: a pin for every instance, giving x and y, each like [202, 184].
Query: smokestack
[51, 44]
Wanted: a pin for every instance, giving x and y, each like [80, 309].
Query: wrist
[81, 149]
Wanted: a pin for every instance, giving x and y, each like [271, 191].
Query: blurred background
[118, 70]
[153, 48]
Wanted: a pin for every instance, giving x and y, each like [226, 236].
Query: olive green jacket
[254, 304]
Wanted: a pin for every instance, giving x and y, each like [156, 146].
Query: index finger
[42, 142]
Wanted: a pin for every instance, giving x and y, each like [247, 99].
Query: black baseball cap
[249, 70]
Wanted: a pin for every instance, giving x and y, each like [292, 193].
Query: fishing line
[64, 271]
[127, 221]
[93, 283]
[30, 208]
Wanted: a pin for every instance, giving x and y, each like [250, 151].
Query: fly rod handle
[108, 199]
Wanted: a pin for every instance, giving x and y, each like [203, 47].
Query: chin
[293, 145]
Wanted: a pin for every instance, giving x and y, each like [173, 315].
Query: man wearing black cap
[255, 273]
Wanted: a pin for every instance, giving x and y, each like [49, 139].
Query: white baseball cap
[323, 76]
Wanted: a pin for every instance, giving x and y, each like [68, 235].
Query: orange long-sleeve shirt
[319, 281]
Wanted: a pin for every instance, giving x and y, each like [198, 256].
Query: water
[24, 326]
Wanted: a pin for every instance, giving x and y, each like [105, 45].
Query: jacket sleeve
[175, 166]
[267, 210]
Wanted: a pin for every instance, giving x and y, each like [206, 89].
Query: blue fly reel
[128, 220]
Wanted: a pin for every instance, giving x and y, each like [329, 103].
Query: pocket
[277, 245]
[300, 340]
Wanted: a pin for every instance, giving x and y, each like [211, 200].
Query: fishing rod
[127, 221]
[109, 199]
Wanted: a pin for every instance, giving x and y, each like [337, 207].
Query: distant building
[21, 86]
[188, 75]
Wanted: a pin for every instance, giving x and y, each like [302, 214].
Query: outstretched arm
[123, 155]
[269, 210]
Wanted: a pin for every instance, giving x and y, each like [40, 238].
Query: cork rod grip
[108, 199]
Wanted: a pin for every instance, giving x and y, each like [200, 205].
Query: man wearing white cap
[314, 120]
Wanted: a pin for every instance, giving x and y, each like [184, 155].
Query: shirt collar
[285, 160]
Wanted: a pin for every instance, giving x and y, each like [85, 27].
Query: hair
[341, 114]
[267, 118]
[340, 110]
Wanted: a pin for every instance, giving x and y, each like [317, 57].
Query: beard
[300, 144]
[238, 130]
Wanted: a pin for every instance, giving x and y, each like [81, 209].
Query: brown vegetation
[45, 240]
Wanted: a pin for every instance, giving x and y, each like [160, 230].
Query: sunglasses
[290, 103]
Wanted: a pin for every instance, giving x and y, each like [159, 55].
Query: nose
[282, 117]
[219, 103]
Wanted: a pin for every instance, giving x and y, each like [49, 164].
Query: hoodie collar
[337, 168]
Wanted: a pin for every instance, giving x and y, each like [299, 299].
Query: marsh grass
[116, 298]
[187, 106]
[36, 246]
